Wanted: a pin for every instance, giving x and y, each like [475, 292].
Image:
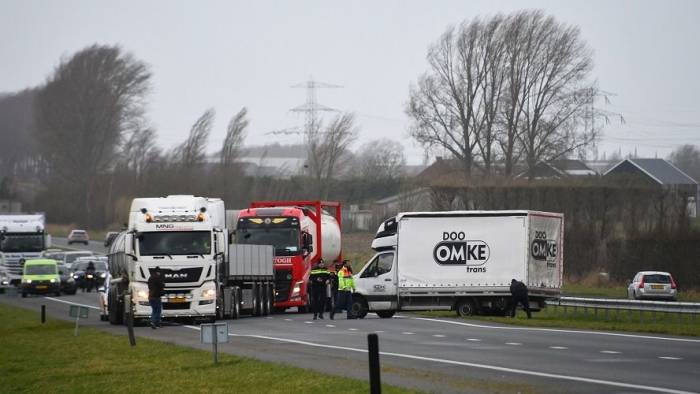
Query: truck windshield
[22, 242]
[281, 232]
[40, 269]
[175, 243]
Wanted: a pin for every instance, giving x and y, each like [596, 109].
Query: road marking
[287, 319]
[439, 336]
[513, 343]
[407, 333]
[473, 340]
[71, 303]
[558, 347]
[379, 332]
[614, 334]
[309, 322]
[610, 352]
[330, 325]
[352, 329]
[474, 365]
[670, 358]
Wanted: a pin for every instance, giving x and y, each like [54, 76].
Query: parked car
[109, 237]
[78, 236]
[652, 285]
[68, 285]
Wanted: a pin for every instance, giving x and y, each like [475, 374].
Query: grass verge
[658, 323]
[48, 358]
[618, 291]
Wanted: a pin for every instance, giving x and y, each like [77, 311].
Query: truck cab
[22, 237]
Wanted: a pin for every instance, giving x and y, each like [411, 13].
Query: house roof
[660, 170]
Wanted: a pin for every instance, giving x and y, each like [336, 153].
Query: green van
[40, 276]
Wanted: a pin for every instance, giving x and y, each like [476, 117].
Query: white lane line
[558, 347]
[71, 303]
[330, 325]
[474, 365]
[610, 352]
[612, 334]
[287, 319]
[352, 329]
[439, 336]
[407, 333]
[513, 343]
[670, 358]
[309, 322]
[379, 332]
[473, 340]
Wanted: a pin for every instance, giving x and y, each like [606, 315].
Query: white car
[652, 285]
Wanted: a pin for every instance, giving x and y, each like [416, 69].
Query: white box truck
[462, 261]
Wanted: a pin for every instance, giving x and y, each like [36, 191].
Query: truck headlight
[297, 288]
[103, 275]
[142, 294]
[208, 293]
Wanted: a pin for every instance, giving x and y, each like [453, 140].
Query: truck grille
[282, 285]
[184, 275]
[13, 268]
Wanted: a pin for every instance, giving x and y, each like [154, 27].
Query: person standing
[346, 286]
[156, 286]
[319, 279]
[332, 291]
[519, 294]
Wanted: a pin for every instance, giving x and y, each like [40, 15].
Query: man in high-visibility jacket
[346, 286]
[319, 279]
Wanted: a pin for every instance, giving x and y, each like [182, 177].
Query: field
[48, 358]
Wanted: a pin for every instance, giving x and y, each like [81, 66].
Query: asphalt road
[443, 355]
[93, 246]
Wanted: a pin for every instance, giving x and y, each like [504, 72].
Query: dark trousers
[318, 300]
[344, 301]
[156, 310]
[524, 302]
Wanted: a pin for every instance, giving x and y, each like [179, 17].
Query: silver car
[652, 285]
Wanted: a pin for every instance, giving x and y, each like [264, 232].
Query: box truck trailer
[462, 261]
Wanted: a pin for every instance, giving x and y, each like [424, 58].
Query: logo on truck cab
[456, 249]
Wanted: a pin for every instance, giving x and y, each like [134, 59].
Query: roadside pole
[375, 386]
[43, 314]
[214, 333]
[129, 320]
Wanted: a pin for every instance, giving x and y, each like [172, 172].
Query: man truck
[462, 261]
[22, 237]
[302, 232]
[205, 277]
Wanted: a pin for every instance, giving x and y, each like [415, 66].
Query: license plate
[179, 300]
[657, 287]
[42, 287]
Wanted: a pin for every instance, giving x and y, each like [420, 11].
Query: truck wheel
[235, 304]
[261, 299]
[359, 307]
[266, 299]
[466, 308]
[386, 314]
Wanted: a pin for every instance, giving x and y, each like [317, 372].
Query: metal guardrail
[626, 310]
[633, 305]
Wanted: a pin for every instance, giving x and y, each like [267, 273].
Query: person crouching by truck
[346, 286]
[518, 292]
[156, 285]
[319, 279]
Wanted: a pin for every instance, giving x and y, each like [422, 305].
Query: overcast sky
[228, 55]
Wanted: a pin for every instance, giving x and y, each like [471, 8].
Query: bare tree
[326, 149]
[82, 111]
[235, 134]
[687, 158]
[191, 153]
[380, 159]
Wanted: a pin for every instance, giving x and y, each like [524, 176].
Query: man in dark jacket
[156, 285]
[518, 292]
[319, 279]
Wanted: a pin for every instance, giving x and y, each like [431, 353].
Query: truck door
[379, 282]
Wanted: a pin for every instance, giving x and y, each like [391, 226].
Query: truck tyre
[386, 314]
[254, 298]
[266, 299]
[466, 307]
[24, 295]
[261, 299]
[114, 308]
[359, 307]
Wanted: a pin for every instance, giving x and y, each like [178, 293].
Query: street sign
[214, 333]
[78, 311]
[207, 333]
